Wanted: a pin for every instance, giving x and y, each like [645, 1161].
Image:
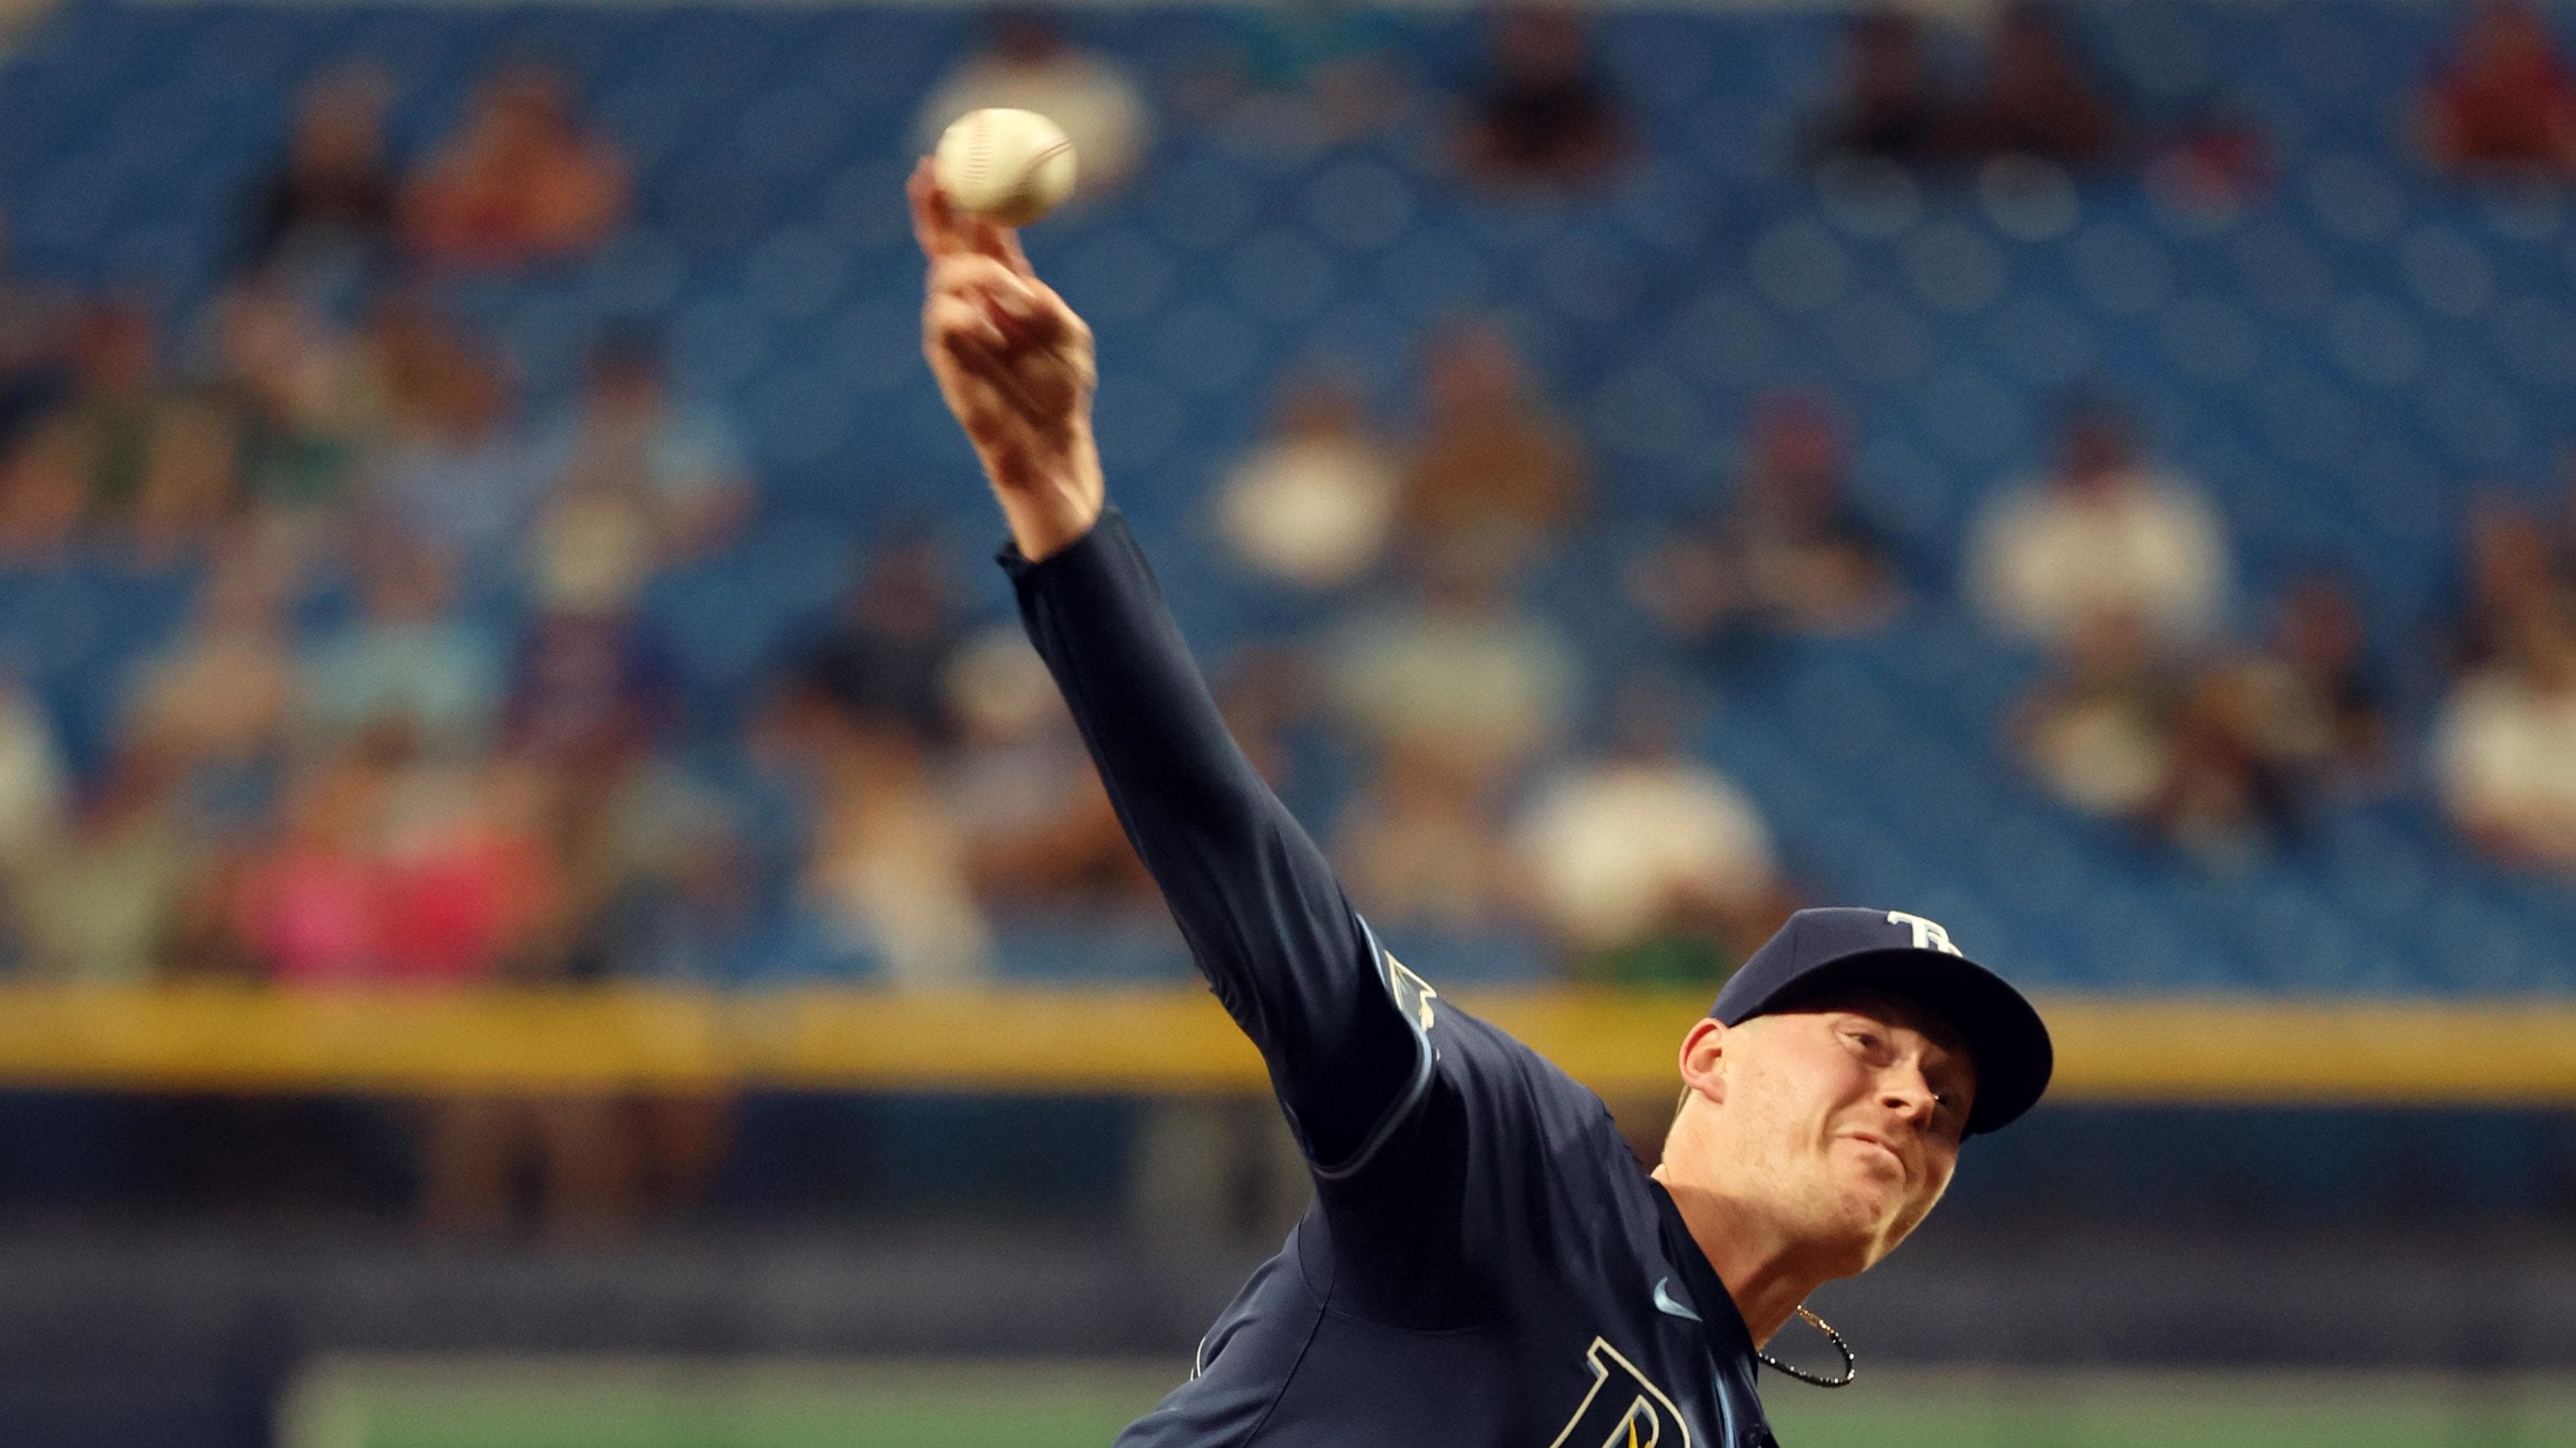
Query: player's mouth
[1867, 1138]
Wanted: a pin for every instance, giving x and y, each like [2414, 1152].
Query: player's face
[1850, 1112]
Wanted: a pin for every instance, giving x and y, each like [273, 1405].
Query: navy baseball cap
[1911, 957]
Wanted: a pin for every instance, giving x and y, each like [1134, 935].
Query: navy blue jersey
[1485, 1262]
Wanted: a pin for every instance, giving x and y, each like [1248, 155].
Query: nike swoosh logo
[1664, 1300]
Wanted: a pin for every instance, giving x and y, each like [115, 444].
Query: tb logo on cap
[1928, 934]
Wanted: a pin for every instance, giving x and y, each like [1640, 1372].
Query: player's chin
[1895, 1219]
[1871, 1183]
[1872, 1216]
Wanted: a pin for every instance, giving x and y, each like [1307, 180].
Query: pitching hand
[1015, 365]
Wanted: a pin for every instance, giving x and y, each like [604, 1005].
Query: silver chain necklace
[1851, 1365]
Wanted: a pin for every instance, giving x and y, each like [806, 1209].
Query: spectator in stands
[394, 868]
[458, 478]
[1041, 832]
[2227, 791]
[2564, 545]
[125, 454]
[629, 444]
[887, 649]
[34, 795]
[101, 904]
[592, 553]
[1423, 844]
[326, 214]
[310, 901]
[2512, 579]
[524, 181]
[2098, 731]
[41, 497]
[34, 780]
[214, 703]
[589, 682]
[2103, 532]
[403, 359]
[302, 407]
[593, 677]
[476, 886]
[1890, 108]
[410, 663]
[1497, 473]
[1315, 73]
[660, 877]
[1459, 672]
[1645, 865]
[2040, 98]
[1789, 553]
[1028, 64]
[478, 877]
[2504, 750]
[888, 867]
[1543, 115]
[2505, 104]
[35, 369]
[659, 888]
[2261, 739]
[1313, 504]
[2215, 163]
[694, 922]
[2321, 712]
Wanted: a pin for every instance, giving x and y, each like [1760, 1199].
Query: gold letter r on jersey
[1623, 1410]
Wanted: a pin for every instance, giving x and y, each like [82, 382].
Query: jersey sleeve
[1499, 1173]
[1264, 917]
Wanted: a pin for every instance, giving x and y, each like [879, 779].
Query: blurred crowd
[2152, 708]
[417, 726]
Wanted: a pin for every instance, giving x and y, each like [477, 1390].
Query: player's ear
[1703, 1058]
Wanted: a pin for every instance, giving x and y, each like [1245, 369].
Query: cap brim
[2001, 1029]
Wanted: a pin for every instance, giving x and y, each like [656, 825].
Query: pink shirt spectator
[314, 915]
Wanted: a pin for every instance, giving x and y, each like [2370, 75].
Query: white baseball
[1009, 167]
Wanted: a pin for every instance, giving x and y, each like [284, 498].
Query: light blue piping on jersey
[1671, 1306]
[1413, 1094]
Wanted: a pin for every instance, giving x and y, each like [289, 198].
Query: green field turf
[493, 1403]
[487, 1403]
[2197, 1410]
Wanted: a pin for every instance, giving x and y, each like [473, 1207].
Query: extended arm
[1263, 915]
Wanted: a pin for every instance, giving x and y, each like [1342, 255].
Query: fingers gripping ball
[1009, 167]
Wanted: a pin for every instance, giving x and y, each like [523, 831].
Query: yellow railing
[1177, 1040]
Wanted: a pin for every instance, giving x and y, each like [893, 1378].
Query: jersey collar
[1697, 1285]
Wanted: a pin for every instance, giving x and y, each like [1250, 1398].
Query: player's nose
[1909, 1096]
